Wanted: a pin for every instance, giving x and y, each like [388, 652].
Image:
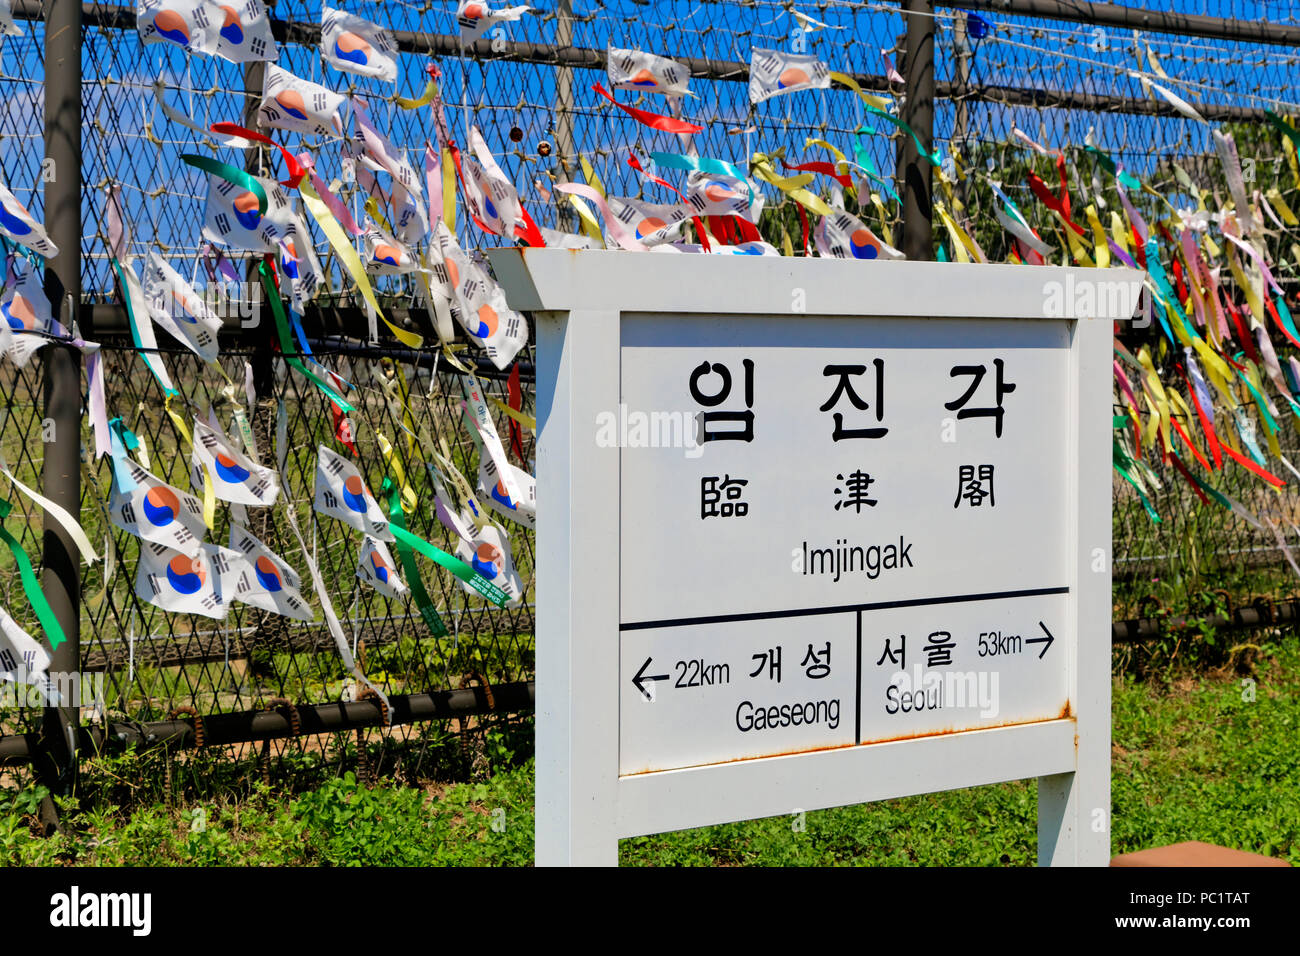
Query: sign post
[815, 533]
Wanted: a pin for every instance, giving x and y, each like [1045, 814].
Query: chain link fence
[528, 86]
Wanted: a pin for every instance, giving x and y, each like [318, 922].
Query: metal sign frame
[583, 806]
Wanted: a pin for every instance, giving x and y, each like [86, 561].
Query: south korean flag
[713, 194]
[478, 303]
[175, 306]
[157, 512]
[178, 582]
[384, 254]
[188, 24]
[299, 106]
[354, 45]
[492, 491]
[243, 31]
[376, 568]
[844, 236]
[262, 579]
[342, 493]
[651, 223]
[23, 660]
[235, 477]
[17, 223]
[28, 321]
[475, 18]
[488, 553]
[231, 216]
[488, 193]
[634, 70]
[773, 73]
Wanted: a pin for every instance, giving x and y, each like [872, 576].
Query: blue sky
[164, 199]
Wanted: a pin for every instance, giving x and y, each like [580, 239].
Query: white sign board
[795, 559]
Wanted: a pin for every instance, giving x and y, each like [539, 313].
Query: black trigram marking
[192, 505]
[183, 534]
[242, 586]
[200, 17]
[246, 544]
[152, 581]
[7, 660]
[208, 440]
[222, 223]
[320, 102]
[259, 488]
[328, 498]
[157, 549]
[209, 602]
[334, 465]
[257, 45]
[128, 513]
[270, 114]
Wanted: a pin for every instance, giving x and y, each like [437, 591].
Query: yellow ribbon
[351, 261]
[528, 421]
[427, 97]
[761, 166]
[870, 99]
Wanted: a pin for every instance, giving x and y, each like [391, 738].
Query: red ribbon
[665, 123]
[825, 168]
[1182, 469]
[1251, 466]
[1211, 439]
[1042, 191]
[296, 171]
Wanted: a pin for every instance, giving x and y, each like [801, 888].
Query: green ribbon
[931, 157]
[31, 586]
[1127, 180]
[287, 347]
[149, 358]
[422, 600]
[1122, 463]
[231, 174]
[1283, 127]
[453, 564]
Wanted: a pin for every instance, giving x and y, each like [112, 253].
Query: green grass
[1194, 758]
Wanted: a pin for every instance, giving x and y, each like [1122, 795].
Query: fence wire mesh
[1062, 83]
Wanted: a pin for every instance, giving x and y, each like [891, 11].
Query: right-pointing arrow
[1045, 641]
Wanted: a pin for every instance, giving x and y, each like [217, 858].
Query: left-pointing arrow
[642, 676]
[1045, 641]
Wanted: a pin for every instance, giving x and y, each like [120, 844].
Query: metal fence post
[565, 152]
[918, 113]
[61, 475]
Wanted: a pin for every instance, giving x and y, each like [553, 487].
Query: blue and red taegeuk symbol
[268, 575]
[379, 567]
[485, 560]
[501, 496]
[791, 76]
[352, 49]
[246, 211]
[172, 26]
[160, 506]
[20, 315]
[13, 222]
[863, 245]
[232, 31]
[229, 470]
[355, 493]
[292, 103]
[185, 575]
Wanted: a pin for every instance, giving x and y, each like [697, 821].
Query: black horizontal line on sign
[840, 609]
